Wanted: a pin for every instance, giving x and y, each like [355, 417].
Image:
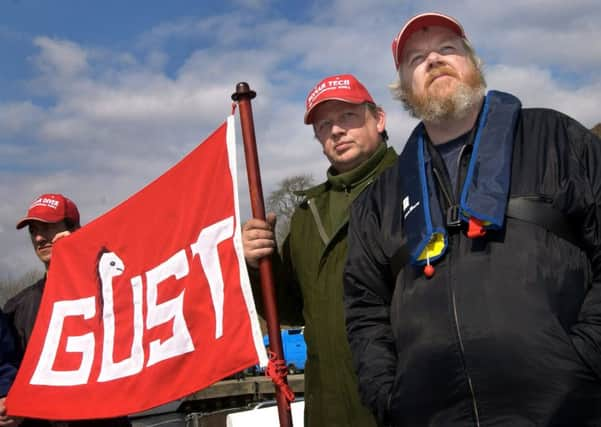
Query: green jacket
[309, 291]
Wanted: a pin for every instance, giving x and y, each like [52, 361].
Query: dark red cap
[417, 23]
[51, 208]
[342, 87]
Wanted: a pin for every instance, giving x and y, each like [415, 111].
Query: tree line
[10, 287]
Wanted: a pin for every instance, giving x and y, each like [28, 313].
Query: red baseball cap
[341, 87]
[417, 23]
[51, 208]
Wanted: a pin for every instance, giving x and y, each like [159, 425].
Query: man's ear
[381, 120]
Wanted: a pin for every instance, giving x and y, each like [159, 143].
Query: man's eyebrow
[410, 52]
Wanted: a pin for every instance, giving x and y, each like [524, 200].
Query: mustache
[440, 71]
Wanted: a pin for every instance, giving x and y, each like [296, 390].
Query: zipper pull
[453, 220]
[429, 268]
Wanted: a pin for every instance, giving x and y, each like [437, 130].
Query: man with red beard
[473, 277]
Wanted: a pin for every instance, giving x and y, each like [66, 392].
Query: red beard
[440, 101]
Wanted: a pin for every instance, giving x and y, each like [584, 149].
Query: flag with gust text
[149, 302]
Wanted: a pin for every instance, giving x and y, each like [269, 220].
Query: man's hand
[5, 420]
[60, 235]
[258, 239]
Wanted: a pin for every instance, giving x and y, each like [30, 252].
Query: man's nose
[433, 59]
[338, 128]
[39, 236]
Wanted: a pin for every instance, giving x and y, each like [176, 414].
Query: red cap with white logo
[51, 208]
[341, 87]
[417, 23]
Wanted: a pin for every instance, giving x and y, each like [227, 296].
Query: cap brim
[25, 221]
[421, 21]
[348, 101]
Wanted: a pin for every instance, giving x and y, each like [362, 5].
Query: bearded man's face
[439, 78]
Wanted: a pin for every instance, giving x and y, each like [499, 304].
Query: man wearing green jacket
[351, 130]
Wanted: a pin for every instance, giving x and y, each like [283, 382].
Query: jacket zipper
[326, 240]
[456, 243]
[444, 190]
[447, 193]
[460, 179]
[469, 378]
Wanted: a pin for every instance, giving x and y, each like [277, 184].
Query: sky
[98, 98]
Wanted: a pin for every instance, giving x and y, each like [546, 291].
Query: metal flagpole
[243, 96]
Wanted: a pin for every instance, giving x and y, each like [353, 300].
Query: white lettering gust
[180, 341]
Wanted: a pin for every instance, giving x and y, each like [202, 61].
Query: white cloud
[550, 33]
[535, 86]
[18, 117]
[252, 4]
[60, 58]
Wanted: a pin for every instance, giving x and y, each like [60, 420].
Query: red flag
[149, 302]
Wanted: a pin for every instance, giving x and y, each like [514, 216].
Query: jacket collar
[485, 189]
[348, 180]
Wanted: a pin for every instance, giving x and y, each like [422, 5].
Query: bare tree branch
[10, 287]
[284, 200]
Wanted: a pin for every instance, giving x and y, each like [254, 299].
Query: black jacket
[508, 330]
[22, 310]
[8, 364]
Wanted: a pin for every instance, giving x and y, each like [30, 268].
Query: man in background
[49, 218]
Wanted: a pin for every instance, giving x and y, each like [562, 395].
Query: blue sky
[97, 98]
